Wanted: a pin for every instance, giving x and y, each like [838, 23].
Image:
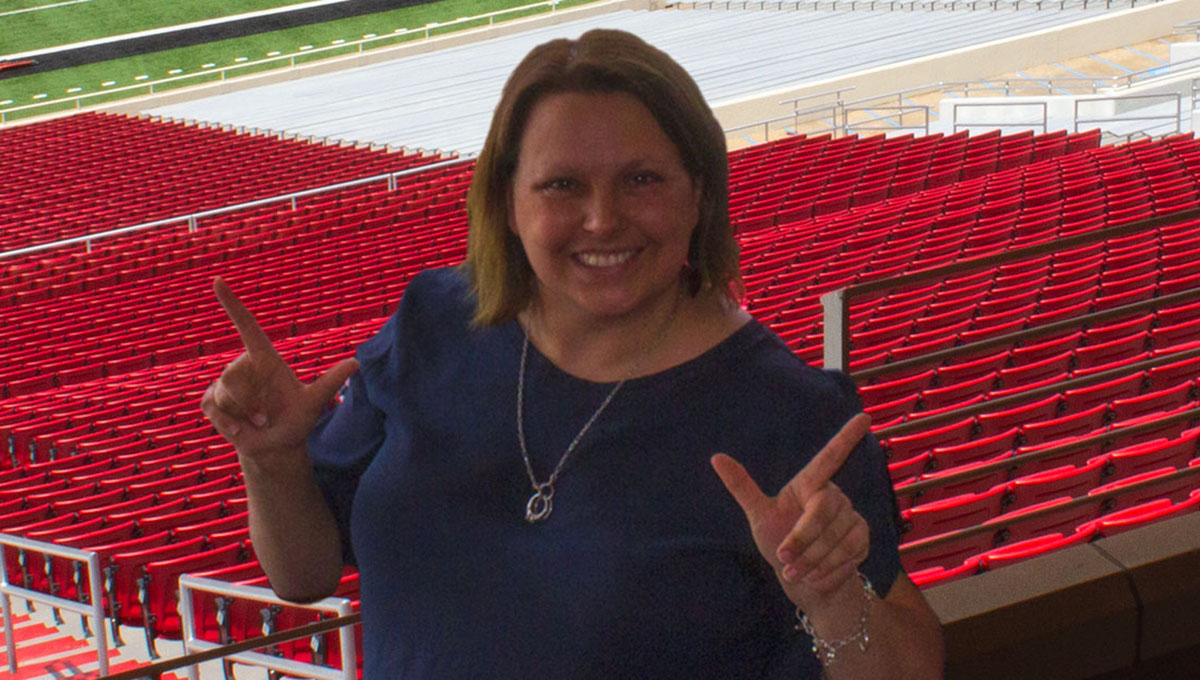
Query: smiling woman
[560, 477]
[604, 210]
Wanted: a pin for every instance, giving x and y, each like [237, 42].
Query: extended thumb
[326, 387]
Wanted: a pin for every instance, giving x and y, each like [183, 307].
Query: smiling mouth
[593, 259]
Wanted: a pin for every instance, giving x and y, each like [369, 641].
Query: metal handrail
[836, 303]
[340, 607]
[94, 610]
[900, 111]
[1042, 105]
[1177, 118]
[1049, 83]
[155, 670]
[836, 92]
[192, 219]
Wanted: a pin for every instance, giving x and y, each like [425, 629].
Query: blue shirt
[645, 569]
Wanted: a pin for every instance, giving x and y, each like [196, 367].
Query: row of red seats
[271, 273]
[76, 173]
[980, 557]
[854, 173]
[787, 272]
[1053, 481]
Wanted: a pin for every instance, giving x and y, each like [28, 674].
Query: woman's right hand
[258, 403]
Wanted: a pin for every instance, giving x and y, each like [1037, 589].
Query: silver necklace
[541, 503]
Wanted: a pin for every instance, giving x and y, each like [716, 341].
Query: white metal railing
[291, 59]
[193, 219]
[338, 606]
[966, 88]
[1175, 118]
[1039, 121]
[93, 610]
[832, 108]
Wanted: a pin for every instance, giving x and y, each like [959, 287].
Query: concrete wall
[1122, 607]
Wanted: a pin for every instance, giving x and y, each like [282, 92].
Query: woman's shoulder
[436, 307]
[768, 361]
[441, 293]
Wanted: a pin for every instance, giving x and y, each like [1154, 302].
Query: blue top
[645, 569]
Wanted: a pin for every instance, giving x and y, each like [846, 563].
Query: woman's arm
[260, 406]
[905, 636]
[815, 541]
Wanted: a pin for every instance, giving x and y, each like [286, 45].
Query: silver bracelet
[827, 651]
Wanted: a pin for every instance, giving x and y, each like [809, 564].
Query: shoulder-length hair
[599, 61]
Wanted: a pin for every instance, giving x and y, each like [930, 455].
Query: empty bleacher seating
[109, 349]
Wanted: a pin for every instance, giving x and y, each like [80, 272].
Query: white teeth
[605, 259]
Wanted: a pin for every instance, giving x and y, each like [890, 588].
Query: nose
[603, 212]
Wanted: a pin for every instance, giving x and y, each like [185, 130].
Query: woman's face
[602, 204]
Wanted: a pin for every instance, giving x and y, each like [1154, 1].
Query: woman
[522, 466]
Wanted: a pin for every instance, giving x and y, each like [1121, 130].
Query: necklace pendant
[540, 504]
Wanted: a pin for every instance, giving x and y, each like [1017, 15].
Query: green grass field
[109, 75]
[66, 24]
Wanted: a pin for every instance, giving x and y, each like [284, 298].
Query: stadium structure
[1006, 260]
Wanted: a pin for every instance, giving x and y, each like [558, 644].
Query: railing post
[836, 335]
[10, 637]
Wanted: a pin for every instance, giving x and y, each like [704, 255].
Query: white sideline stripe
[35, 9]
[170, 29]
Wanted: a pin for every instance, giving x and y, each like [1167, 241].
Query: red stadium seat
[1151, 455]
[938, 575]
[904, 447]
[1146, 513]
[995, 422]
[982, 448]
[957, 512]
[1031, 548]
[1067, 480]
[1080, 399]
[1167, 486]
[158, 588]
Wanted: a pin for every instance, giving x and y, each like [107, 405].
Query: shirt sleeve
[348, 435]
[865, 481]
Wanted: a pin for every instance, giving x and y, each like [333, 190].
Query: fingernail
[786, 556]
[259, 419]
[234, 429]
[790, 573]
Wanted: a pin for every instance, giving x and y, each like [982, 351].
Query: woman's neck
[677, 328]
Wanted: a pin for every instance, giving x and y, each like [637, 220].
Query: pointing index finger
[830, 459]
[254, 338]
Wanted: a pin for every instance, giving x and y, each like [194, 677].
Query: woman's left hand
[809, 533]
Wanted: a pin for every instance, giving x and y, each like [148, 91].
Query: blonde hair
[599, 61]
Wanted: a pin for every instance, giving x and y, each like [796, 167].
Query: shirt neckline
[722, 353]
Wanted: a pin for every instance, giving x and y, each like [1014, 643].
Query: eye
[645, 178]
[557, 184]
